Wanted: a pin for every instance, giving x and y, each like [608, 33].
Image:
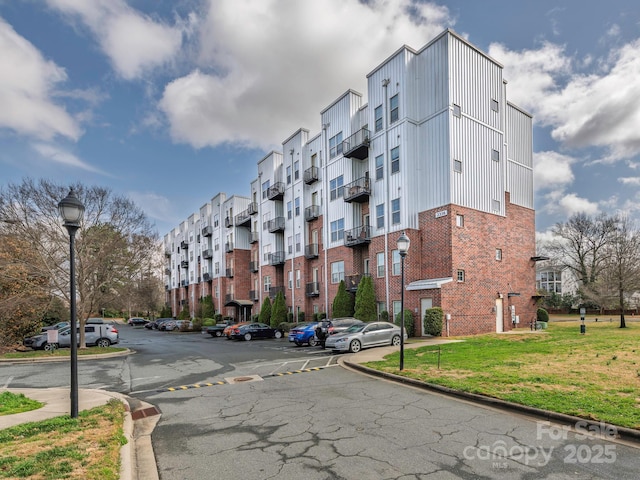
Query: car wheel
[313, 342]
[278, 334]
[103, 342]
[50, 347]
[218, 334]
[298, 344]
[395, 341]
[247, 336]
[355, 346]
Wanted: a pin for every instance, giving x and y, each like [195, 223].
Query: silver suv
[101, 335]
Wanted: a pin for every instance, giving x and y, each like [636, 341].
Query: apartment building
[435, 150]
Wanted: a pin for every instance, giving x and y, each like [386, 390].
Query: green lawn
[11, 403]
[594, 376]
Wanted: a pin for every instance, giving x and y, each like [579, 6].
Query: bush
[197, 324]
[433, 321]
[409, 326]
[286, 326]
[384, 316]
[217, 318]
[542, 315]
[301, 317]
[290, 317]
[208, 322]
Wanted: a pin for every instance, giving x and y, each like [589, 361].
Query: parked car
[137, 321]
[163, 324]
[154, 325]
[250, 331]
[218, 329]
[95, 321]
[365, 335]
[325, 328]
[177, 325]
[95, 334]
[227, 330]
[304, 333]
[57, 326]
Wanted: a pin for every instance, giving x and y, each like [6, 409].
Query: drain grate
[243, 379]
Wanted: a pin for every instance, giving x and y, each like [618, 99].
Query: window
[395, 160]
[395, 211]
[494, 105]
[379, 167]
[290, 244]
[216, 244]
[396, 305]
[460, 276]
[266, 251]
[217, 268]
[290, 280]
[337, 230]
[378, 118]
[498, 254]
[297, 206]
[298, 242]
[380, 215]
[495, 155]
[395, 262]
[459, 220]
[457, 166]
[456, 110]
[216, 220]
[297, 278]
[289, 210]
[380, 264]
[335, 187]
[393, 109]
[335, 145]
[495, 205]
[265, 187]
[267, 283]
[288, 175]
[337, 272]
[296, 170]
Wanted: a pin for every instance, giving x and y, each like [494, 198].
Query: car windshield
[355, 328]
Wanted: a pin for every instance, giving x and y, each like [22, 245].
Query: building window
[380, 264]
[267, 283]
[459, 220]
[290, 244]
[498, 254]
[298, 244]
[216, 220]
[265, 187]
[297, 278]
[335, 145]
[494, 105]
[395, 262]
[297, 206]
[460, 276]
[393, 109]
[337, 230]
[290, 280]
[378, 119]
[495, 205]
[379, 167]
[266, 251]
[495, 155]
[380, 216]
[395, 160]
[457, 166]
[296, 170]
[217, 268]
[396, 305]
[335, 187]
[337, 272]
[289, 210]
[395, 211]
[216, 244]
[382, 307]
[456, 111]
[288, 174]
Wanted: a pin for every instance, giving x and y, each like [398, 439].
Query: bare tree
[115, 240]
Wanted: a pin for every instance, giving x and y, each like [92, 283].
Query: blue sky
[171, 102]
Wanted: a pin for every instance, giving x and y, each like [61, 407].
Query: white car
[365, 335]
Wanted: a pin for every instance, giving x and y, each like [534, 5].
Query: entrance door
[499, 316]
[425, 304]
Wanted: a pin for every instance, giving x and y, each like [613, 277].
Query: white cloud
[27, 81]
[57, 154]
[552, 170]
[633, 181]
[155, 206]
[572, 203]
[133, 42]
[268, 67]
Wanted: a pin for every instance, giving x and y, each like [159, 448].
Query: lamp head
[403, 244]
[71, 209]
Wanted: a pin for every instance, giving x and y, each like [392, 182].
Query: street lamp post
[403, 248]
[71, 210]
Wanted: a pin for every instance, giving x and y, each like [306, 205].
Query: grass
[594, 376]
[87, 447]
[11, 403]
[62, 352]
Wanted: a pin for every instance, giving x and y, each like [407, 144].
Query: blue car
[304, 333]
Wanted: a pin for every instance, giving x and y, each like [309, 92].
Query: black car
[155, 325]
[255, 330]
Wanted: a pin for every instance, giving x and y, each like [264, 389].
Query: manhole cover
[244, 379]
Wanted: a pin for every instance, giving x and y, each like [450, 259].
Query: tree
[365, 307]
[207, 309]
[265, 311]
[343, 302]
[114, 244]
[279, 310]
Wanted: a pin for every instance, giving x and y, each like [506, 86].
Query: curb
[67, 359]
[623, 433]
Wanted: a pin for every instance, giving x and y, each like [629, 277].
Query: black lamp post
[403, 248]
[71, 210]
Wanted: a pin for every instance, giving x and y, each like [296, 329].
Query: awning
[239, 303]
[428, 283]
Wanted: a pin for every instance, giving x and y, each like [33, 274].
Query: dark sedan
[255, 330]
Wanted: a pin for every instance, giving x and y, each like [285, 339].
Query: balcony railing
[254, 237]
[276, 224]
[243, 219]
[184, 283]
[184, 263]
[276, 191]
[357, 191]
[229, 273]
[208, 253]
[206, 277]
[228, 247]
[357, 145]
[207, 231]
[167, 271]
[228, 222]
[254, 267]
[276, 258]
[313, 289]
[254, 295]
[273, 291]
[167, 253]
[253, 208]
[310, 175]
[184, 245]
[357, 236]
[311, 213]
[351, 282]
[311, 251]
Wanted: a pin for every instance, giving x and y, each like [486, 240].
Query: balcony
[243, 219]
[167, 287]
[207, 231]
[310, 175]
[254, 295]
[228, 247]
[229, 273]
[311, 213]
[358, 191]
[208, 253]
[352, 282]
[276, 191]
[228, 222]
[357, 236]
[357, 145]
[254, 267]
[228, 297]
[184, 283]
[167, 271]
[167, 253]
[313, 289]
[184, 245]
[184, 263]
[276, 258]
[253, 208]
[273, 291]
[254, 237]
[206, 277]
[311, 251]
[276, 225]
